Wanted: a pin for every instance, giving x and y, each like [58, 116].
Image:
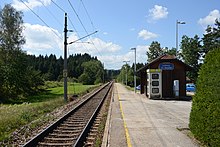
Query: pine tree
[211, 39]
[191, 53]
[154, 51]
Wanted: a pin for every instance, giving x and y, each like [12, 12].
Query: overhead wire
[68, 19]
[74, 28]
[88, 14]
[92, 24]
[83, 25]
[77, 33]
[51, 14]
[77, 16]
[41, 19]
[58, 6]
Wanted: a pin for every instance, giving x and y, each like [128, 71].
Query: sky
[121, 25]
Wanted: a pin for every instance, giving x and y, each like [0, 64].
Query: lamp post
[126, 76]
[177, 23]
[134, 69]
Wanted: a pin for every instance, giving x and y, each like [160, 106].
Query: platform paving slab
[150, 123]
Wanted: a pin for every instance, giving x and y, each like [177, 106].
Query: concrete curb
[106, 137]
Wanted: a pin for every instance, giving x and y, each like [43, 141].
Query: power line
[51, 14]
[77, 34]
[58, 6]
[77, 16]
[72, 24]
[88, 14]
[74, 28]
[83, 25]
[41, 19]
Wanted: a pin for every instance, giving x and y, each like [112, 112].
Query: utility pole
[103, 74]
[177, 23]
[65, 58]
[134, 69]
[65, 72]
[126, 80]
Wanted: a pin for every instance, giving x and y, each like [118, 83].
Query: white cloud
[41, 39]
[116, 61]
[105, 33]
[30, 3]
[210, 19]
[93, 46]
[158, 12]
[146, 34]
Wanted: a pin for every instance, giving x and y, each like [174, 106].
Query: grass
[17, 115]
[26, 110]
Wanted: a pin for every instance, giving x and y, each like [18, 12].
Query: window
[155, 76]
[155, 90]
[155, 83]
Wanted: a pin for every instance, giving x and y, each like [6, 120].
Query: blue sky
[121, 25]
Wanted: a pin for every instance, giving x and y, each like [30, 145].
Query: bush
[205, 113]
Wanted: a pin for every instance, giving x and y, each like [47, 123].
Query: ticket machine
[154, 83]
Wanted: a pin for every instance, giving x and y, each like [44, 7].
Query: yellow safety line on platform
[125, 126]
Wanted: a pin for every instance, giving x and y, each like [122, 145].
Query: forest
[22, 75]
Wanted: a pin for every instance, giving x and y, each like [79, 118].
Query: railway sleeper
[66, 131]
[69, 127]
[90, 139]
[45, 144]
[73, 124]
[57, 135]
[93, 131]
[96, 125]
[75, 120]
[88, 144]
[58, 140]
[92, 134]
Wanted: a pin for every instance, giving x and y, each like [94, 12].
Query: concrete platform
[137, 121]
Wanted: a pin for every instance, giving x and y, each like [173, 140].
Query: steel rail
[34, 141]
[82, 138]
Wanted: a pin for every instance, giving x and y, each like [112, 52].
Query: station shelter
[164, 77]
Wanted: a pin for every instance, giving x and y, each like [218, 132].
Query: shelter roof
[164, 58]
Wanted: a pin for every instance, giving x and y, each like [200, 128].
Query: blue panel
[166, 66]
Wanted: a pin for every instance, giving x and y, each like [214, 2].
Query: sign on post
[64, 73]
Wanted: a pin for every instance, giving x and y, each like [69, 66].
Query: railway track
[73, 128]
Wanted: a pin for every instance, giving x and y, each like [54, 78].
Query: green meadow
[25, 110]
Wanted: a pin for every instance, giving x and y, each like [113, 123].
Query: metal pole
[178, 22]
[65, 58]
[103, 74]
[134, 69]
[126, 76]
[135, 84]
[176, 37]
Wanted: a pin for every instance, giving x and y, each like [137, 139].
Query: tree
[11, 40]
[15, 72]
[126, 71]
[204, 116]
[191, 53]
[170, 51]
[154, 51]
[211, 39]
[93, 71]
